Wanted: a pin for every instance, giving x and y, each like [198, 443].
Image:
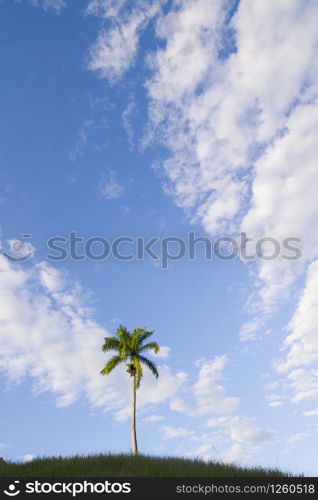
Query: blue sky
[157, 119]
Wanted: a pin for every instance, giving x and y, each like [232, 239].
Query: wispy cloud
[297, 437]
[275, 404]
[153, 418]
[311, 413]
[242, 429]
[56, 5]
[170, 432]
[242, 146]
[207, 395]
[87, 137]
[109, 186]
[239, 454]
[301, 345]
[164, 352]
[127, 121]
[48, 331]
[116, 47]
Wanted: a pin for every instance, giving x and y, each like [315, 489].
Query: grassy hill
[128, 466]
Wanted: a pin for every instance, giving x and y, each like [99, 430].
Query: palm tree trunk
[133, 418]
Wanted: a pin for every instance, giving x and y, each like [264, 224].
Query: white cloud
[304, 384]
[52, 279]
[271, 385]
[114, 320]
[56, 5]
[165, 387]
[105, 8]
[284, 177]
[241, 127]
[170, 432]
[240, 105]
[127, 121]
[242, 429]
[297, 437]
[87, 134]
[153, 418]
[302, 342]
[178, 404]
[273, 398]
[238, 454]
[311, 413]
[154, 391]
[242, 130]
[48, 333]
[109, 186]
[116, 47]
[301, 345]
[275, 404]
[164, 352]
[242, 146]
[203, 451]
[235, 439]
[209, 394]
[114, 51]
[28, 458]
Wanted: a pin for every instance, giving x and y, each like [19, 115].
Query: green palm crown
[130, 346]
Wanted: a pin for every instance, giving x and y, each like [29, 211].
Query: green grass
[129, 466]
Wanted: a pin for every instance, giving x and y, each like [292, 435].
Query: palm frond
[150, 346]
[135, 337]
[111, 344]
[111, 364]
[123, 333]
[125, 341]
[139, 373]
[150, 364]
[129, 345]
[144, 336]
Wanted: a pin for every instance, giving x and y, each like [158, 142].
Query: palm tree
[129, 346]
